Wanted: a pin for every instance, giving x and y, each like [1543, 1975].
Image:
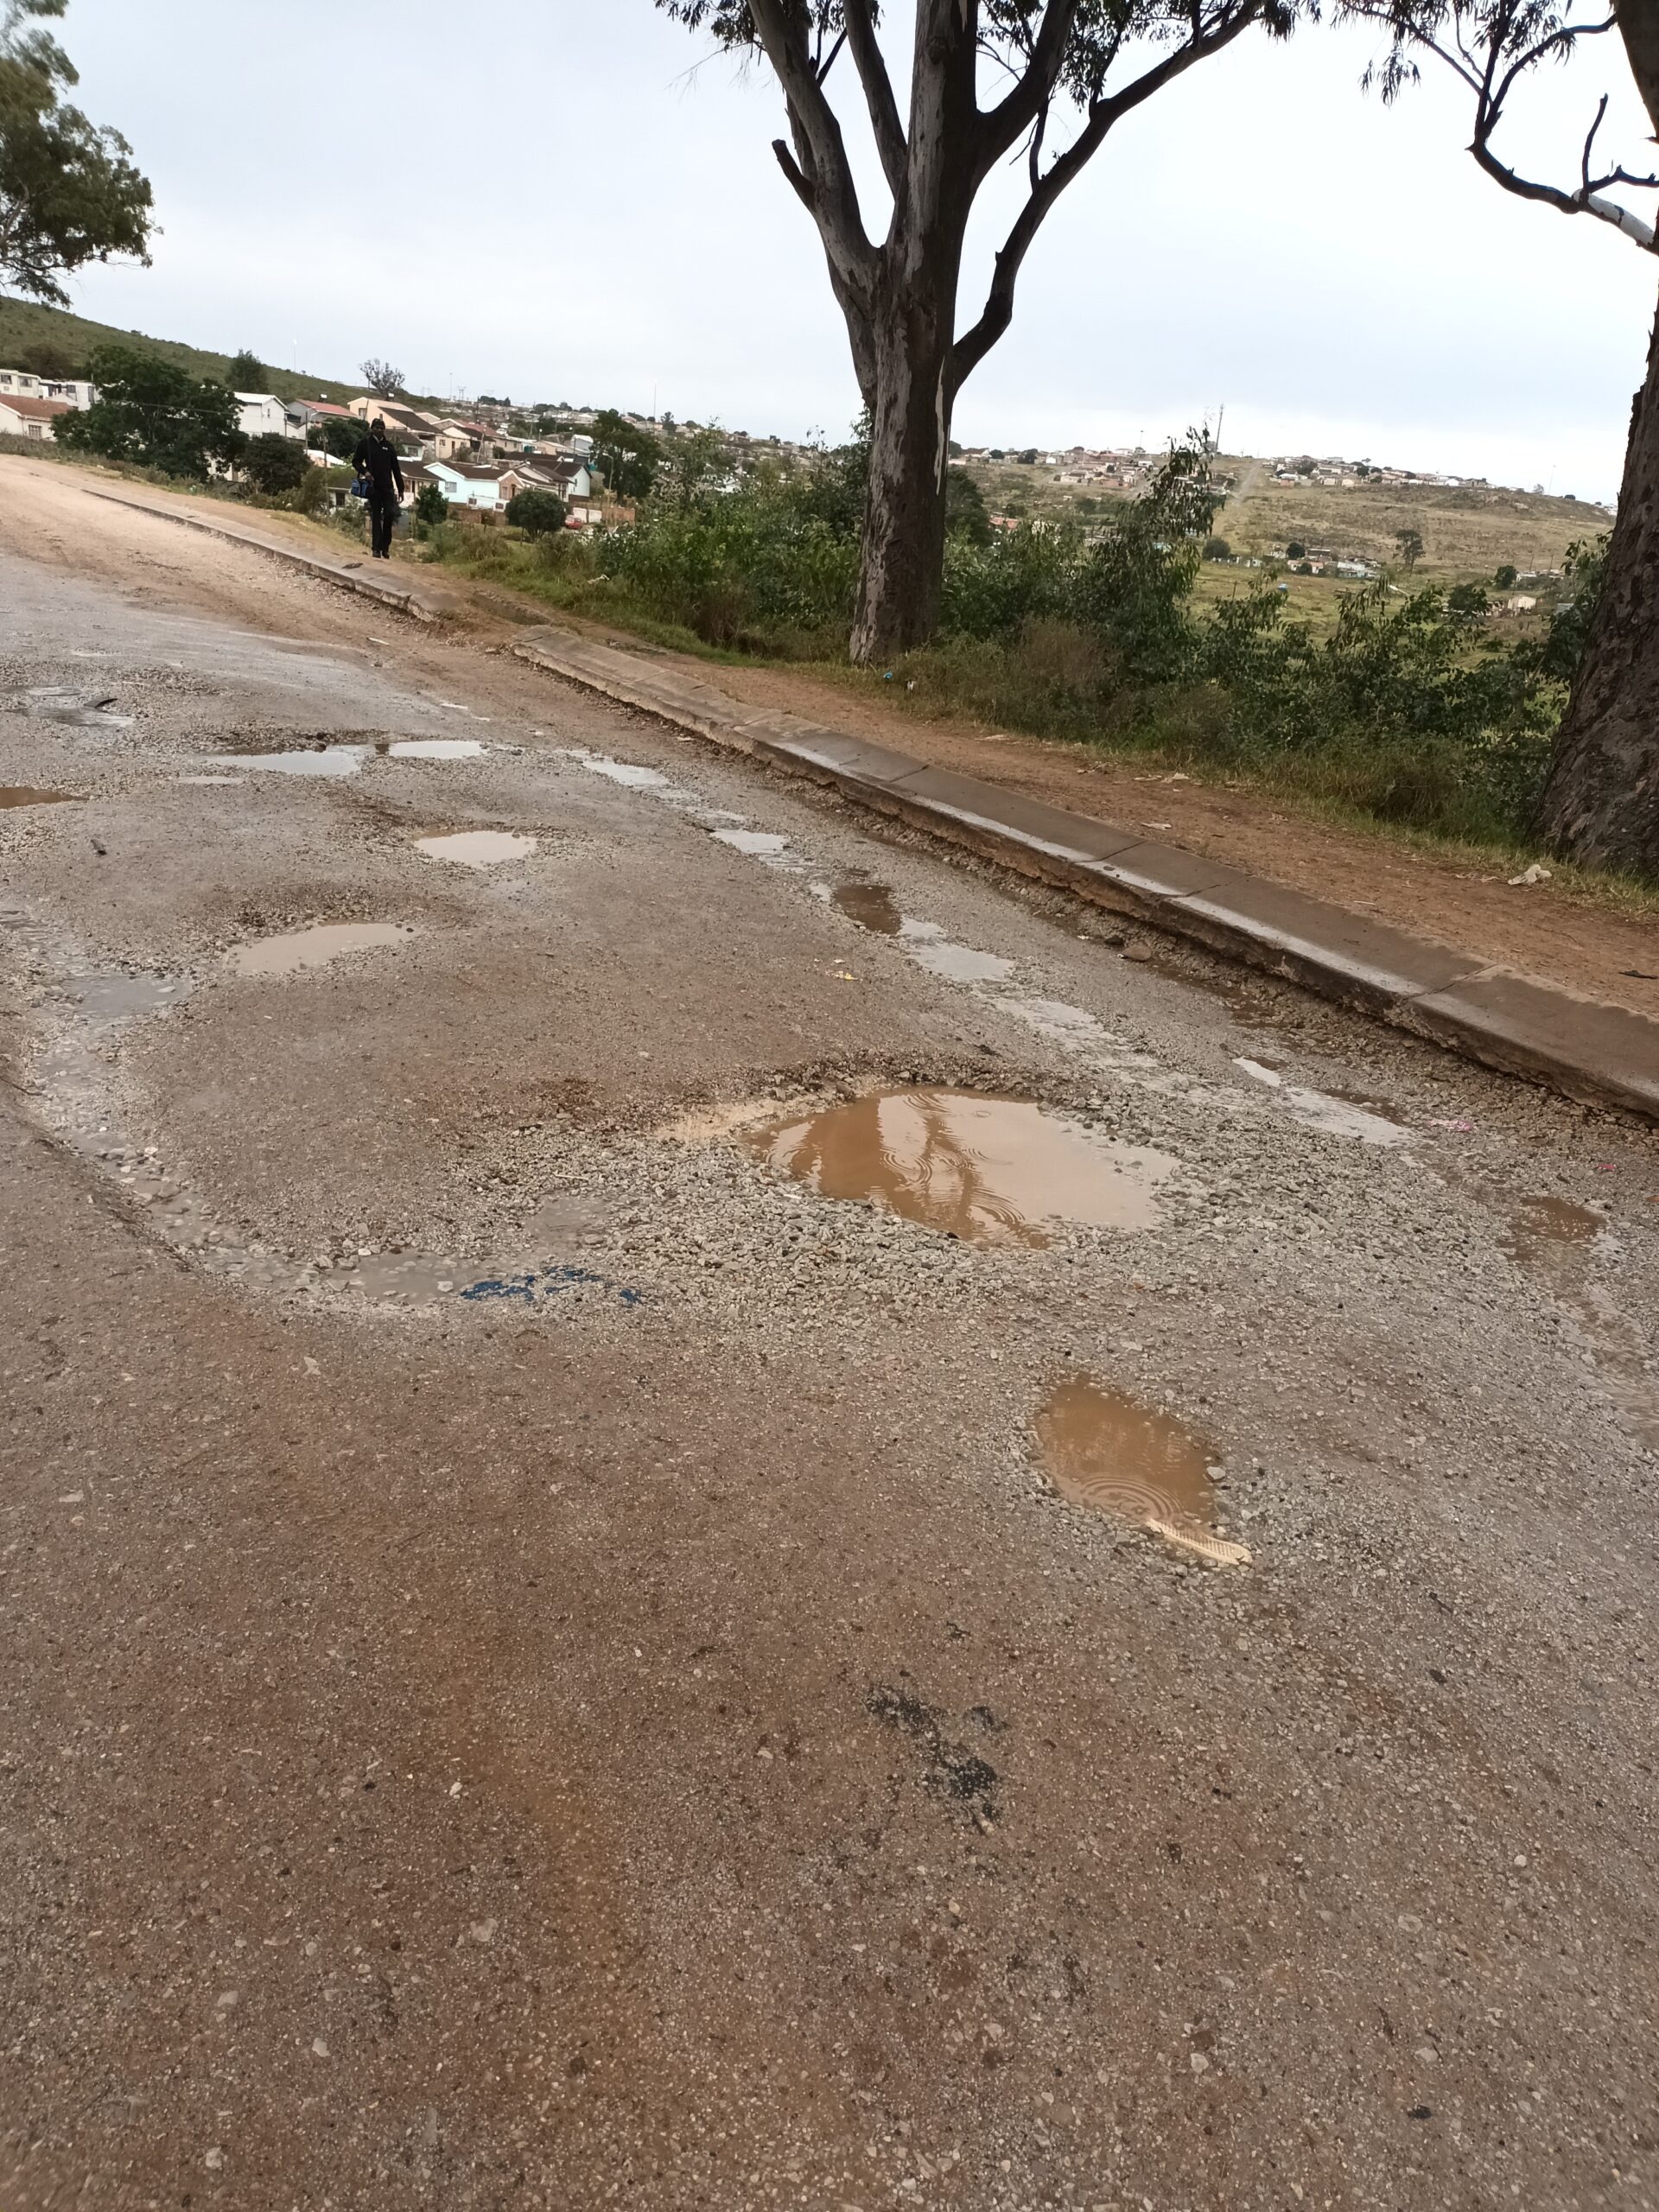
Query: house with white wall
[23, 417]
[263, 415]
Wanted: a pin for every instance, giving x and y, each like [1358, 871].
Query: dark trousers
[382, 514]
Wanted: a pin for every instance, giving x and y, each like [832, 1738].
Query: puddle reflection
[1105, 1451]
[991, 1171]
[312, 948]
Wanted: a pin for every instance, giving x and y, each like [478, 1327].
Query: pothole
[51, 702]
[313, 947]
[1104, 1450]
[962, 963]
[27, 795]
[432, 748]
[477, 848]
[1542, 1230]
[988, 1170]
[326, 760]
[760, 844]
[872, 905]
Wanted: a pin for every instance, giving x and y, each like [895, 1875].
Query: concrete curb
[1600, 1055]
[403, 600]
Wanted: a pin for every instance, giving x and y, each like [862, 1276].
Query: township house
[469, 463]
[30, 404]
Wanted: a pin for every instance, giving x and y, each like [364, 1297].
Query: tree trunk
[1600, 801]
[903, 566]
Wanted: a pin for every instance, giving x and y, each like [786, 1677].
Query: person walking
[376, 458]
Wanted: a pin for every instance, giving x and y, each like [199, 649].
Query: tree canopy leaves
[69, 192]
[149, 411]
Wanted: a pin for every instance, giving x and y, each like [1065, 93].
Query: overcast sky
[574, 200]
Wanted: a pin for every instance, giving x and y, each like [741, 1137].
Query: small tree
[431, 507]
[69, 193]
[246, 372]
[629, 456]
[965, 514]
[1295, 550]
[339, 435]
[384, 381]
[1216, 549]
[1061, 74]
[1507, 576]
[274, 464]
[149, 411]
[1411, 546]
[537, 514]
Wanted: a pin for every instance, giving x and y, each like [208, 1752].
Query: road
[550, 1660]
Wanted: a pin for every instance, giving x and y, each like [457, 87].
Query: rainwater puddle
[478, 848]
[625, 772]
[103, 1001]
[762, 843]
[435, 748]
[962, 963]
[324, 760]
[872, 905]
[312, 948]
[1543, 1232]
[1328, 1112]
[27, 795]
[80, 710]
[991, 1171]
[1103, 1451]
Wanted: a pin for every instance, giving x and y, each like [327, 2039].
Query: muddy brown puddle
[27, 795]
[477, 848]
[1543, 1231]
[988, 1170]
[872, 905]
[1105, 1451]
[312, 948]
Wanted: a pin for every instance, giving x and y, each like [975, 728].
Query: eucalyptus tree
[1044, 81]
[1601, 800]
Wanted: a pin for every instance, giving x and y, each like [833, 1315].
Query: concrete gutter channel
[1600, 1055]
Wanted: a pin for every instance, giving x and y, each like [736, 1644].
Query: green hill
[23, 324]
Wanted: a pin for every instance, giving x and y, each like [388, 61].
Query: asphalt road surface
[548, 1659]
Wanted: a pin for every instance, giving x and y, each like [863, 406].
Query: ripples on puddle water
[991, 1171]
[312, 948]
[478, 848]
[27, 795]
[1103, 1451]
[1542, 1230]
[872, 905]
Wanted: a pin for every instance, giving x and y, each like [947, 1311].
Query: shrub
[430, 506]
[1507, 577]
[537, 514]
[1216, 549]
[274, 464]
[1295, 550]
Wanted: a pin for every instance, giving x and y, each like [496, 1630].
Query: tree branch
[820, 165]
[1586, 201]
[975, 344]
[878, 93]
[1003, 126]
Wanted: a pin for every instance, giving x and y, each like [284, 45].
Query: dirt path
[544, 1662]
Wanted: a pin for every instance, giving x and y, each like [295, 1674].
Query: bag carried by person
[359, 487]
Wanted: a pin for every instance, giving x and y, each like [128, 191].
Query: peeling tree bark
[1600, 802]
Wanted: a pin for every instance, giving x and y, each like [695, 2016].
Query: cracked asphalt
[540, 1663]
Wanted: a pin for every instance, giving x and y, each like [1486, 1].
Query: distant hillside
[22, 324]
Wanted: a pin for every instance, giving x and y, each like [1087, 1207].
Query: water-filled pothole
[989, 1170]
[477, 848]
[1104, 1450]
[432, 748]
[326, 760]
[872, 905]
[962, 963]
[1542, 1230]
[27, 795]
[314, 948]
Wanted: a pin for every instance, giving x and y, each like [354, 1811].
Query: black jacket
[377, 459]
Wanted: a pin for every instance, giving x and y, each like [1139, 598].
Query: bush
[1507, 577]
[274, 464]
[537, 514]
[1295, 550]
[150, 412]
[1216, 549]
[431, 508]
